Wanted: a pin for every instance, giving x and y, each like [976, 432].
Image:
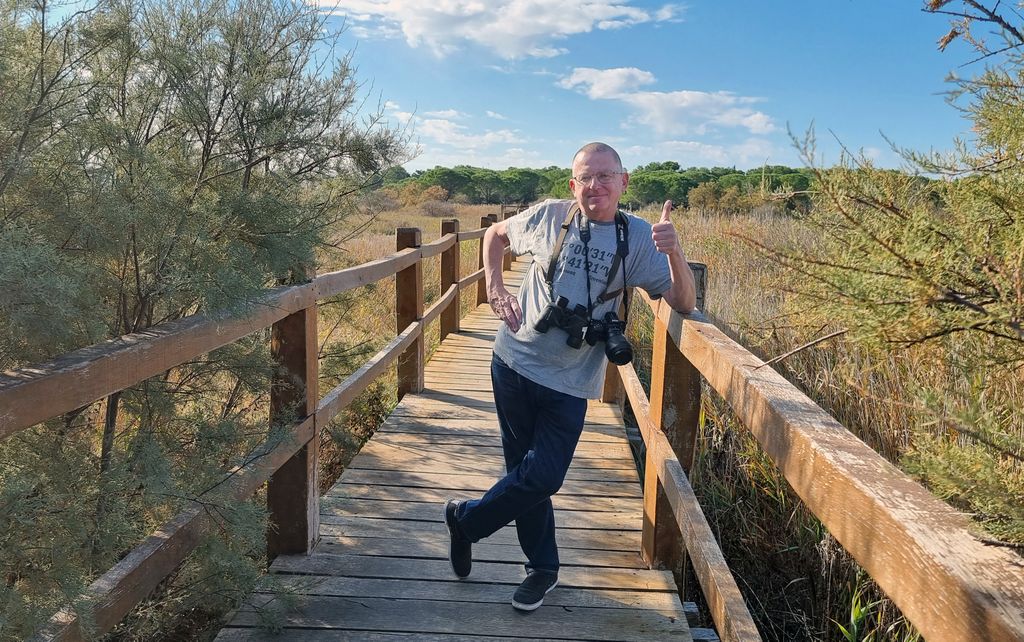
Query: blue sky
[524, 83]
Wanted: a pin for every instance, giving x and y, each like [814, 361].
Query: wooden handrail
[471, 279]
[442, 303]
[428, 250]
[334, 283]
[473, 235]
[341, 395]
[728, 609]
[84, 376]
[33, 394]
[919, 550]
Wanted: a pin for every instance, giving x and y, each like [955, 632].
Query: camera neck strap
[621, 251]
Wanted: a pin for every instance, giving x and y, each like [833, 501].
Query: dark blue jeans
[540, 428]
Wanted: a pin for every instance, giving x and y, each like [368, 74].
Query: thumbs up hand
[663, 233]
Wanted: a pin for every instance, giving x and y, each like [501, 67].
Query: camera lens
[618, 350]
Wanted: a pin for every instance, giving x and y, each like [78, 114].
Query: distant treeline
[719, 188]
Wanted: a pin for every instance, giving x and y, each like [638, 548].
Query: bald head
[597, 148]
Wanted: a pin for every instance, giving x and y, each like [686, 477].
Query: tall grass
[798, 582]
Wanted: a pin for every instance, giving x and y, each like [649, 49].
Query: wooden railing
[921, 552]
[288, 464]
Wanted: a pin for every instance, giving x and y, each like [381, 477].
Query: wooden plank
[425, 466]
[469, 400]
[430, 423]
[472, 235]
[33, 394]
[461, 591]
[483, 551]
[253, 634]
[430, 511]
[481, 483]
[445, 302]
[472, 459]
[603, 539]
[728, 609]
[615, 453]
[475, 619]
[408, 310]
[483, 572]
[481, 285]
[920, 551]
[470, 279]
[439, 495]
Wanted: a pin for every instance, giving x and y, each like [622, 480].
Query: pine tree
[157, 160]
[929, 263]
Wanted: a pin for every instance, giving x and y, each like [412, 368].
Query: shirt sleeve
[528, 232]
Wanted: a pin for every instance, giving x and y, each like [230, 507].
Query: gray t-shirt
[544, 357]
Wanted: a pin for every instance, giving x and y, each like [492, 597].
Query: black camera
[610, 330]
[559, 315]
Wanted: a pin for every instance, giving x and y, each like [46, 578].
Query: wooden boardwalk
[380, 571]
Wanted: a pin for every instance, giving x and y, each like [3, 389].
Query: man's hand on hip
[506, 307]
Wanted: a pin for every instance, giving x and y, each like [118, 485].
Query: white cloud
[446, 132]
[671, 113]
[511, 28]
[751, 152]
[606, 83]
[495, 115]
[447, 114]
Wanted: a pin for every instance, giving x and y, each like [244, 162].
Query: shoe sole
[444, 518]
[519, 606]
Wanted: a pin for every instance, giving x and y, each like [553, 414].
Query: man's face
[598, 200]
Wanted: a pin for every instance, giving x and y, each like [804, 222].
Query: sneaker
[460, 549]
[531, 592]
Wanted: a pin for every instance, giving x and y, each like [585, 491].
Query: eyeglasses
[604, 178]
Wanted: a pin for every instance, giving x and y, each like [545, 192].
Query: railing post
[408, 309]
[675, 409]
[450, 276]
[481, 285]
[292, 491]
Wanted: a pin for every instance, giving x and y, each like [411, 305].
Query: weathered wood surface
[920, 551]
[668, 498]
[380, 571]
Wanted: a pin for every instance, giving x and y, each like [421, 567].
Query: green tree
[396, 174]
[157, 160]
[705, 197]
[486, 185]
[519, 185]
[453, 181]
[933, 270]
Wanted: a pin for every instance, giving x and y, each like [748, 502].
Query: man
[542, 375]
